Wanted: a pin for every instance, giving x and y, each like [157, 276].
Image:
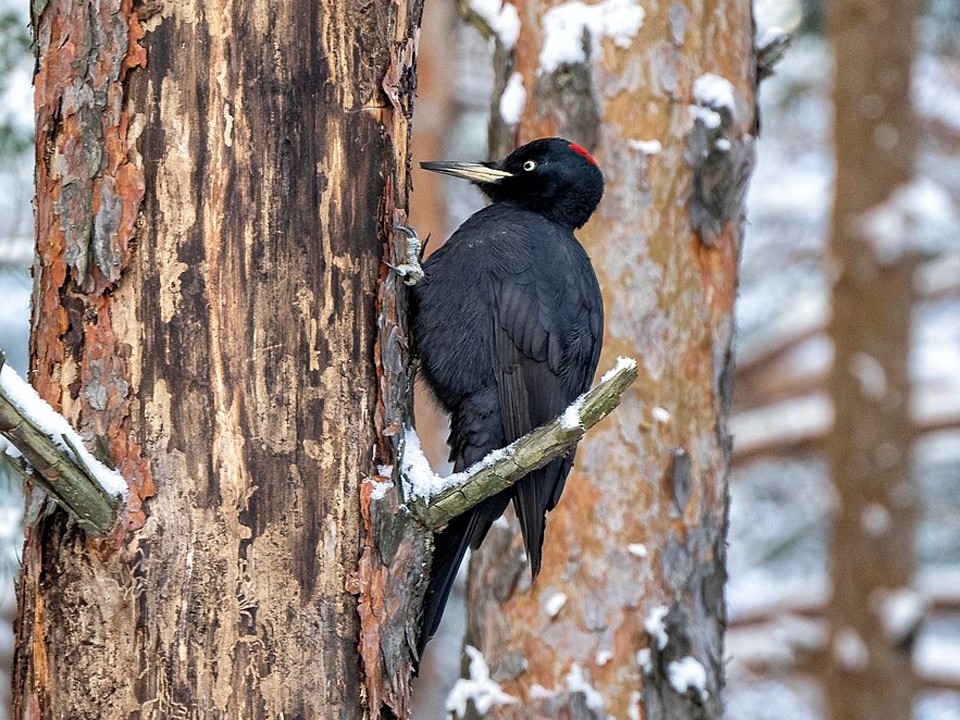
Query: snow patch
[769, 35]
[714, 92]
[645, 660]
[564, 27]
[900, 612]
[655, 627]
[647, 147]
[419, 479]
[637, 550]
[554, 604]
[577, 683]
[661, 415]
[513, 100]
[688, 674]
[502, 19]
[869, 373]
[623, 363]
[539, 692]
[633, 709]
[919, 218]
[380, 489]
[710, 118]
[571, 416]
[850, 650]
[484, 692]
[602, 657]
[52, 423]
[875, 519]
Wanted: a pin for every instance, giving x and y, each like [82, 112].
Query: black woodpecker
[508, 323]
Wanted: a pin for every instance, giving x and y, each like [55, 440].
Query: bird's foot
[409, 269]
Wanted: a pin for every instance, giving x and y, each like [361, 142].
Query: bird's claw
[408, 231]
[410, 273]
[410, 269]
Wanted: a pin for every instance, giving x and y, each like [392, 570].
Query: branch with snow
[48, 452]
[771, 44]
[493, 18]
[436, 501]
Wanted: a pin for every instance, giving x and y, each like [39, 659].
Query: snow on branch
[47, 451]
[771, 44]
[437, 500]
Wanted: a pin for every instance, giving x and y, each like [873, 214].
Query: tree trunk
[215, 186]
[869, 674]
[629, 602]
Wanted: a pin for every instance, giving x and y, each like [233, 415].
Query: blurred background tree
[877, 230]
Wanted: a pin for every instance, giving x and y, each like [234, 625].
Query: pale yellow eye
[529, 165]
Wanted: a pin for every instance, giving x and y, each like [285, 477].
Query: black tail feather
[533, 496]
[449, 547]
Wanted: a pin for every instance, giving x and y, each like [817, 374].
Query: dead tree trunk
[215, 185]
[627, 616]
[875, 137]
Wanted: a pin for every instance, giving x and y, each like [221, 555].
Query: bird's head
[550, 176]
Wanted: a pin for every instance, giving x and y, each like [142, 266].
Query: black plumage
[508, 324]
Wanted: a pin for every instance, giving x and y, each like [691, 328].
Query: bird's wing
[548, 323]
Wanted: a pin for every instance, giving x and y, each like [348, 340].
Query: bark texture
[216, 183]
[633, 567]
[875, 137]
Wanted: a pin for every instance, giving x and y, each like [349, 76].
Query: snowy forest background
[782, 499]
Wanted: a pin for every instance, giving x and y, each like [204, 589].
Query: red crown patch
[583, 151]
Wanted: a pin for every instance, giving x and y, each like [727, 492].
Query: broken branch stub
[60, 474]
[533, 450]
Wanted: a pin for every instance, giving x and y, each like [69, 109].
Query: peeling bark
[89, 190]
[639, 533]
[216, 183]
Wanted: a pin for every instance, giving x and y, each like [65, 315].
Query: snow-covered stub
[564, 27]
[19, 392]
[623, 363]
[688, 674]
[501, 17]
[714, 92]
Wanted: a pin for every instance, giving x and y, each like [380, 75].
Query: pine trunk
[869, 673]
[215, 185]
[631, 591]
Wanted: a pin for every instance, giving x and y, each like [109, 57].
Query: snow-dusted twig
[502, 468]
[771, 45]
[54, 457]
